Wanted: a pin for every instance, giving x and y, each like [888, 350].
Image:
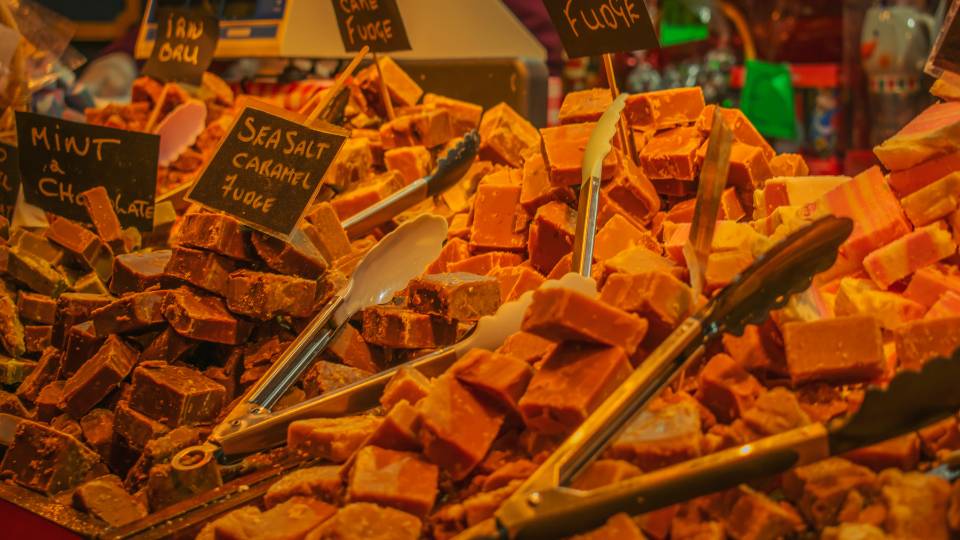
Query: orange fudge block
[328, 235]
[585, 105]
[407, 384]
[619, 234]
[333, 439]
[551, 235]
[528, 347]
[916, 178]
[793, 191]
[396, 327]
[743, 130]
[662, 435]
[844, 349]
[412, 162]
[404, 91]
[749, 168]
[496, 223]
[932, 133]
[455, 250]
[947, 306]
[921, 341]
[396, 479]
[460, 296]
[399, 428]
[618, 527]
[633, 194]
[789, 165]
[722, 267]
[370, 522]
[726, 388]
[444, 412]
[536, 189]
[500, 377]
[367, 195]
[672, 155]
[928, 284]
[862, 297]
[464, 115]
[516, 280]
[485, 263]
[570, 384]
[506, 136]
[659, 297]
[563, 148]
[933, 202]
[565, 315]
[905, 255]
[665, 108]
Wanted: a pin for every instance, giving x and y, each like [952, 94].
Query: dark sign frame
[176, 35]
[596, 27]
[355, 21]
[9, 178]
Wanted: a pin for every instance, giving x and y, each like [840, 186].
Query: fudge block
[789, 165]
[14, 371]
[46, 460]
[745, 132]
[637, 260]
[97, 428]
[572, 381]
[46, 370]
[905, 255]
[862, 297]
[754, 515]
[502, 378]
[175, 395]
[459, 296]
[916, 504]
[333, 439]
[203, 269]
[431, 127]
[618, 234]
[505, 136]
[298, 257]
[48, 400]
[264, 296]
[404, 91]
[132, 313]
[215, 232]
[203, 318]
[354, 201]
[399, 429]
[774, 412]
[464, 115]
[90, 283]
[749, 168]
[528, 347]
[352, 164]
[604, 472]
[722, 267]
[820, 489]
[290, 520]
[81, 341]
[106, 499]
[516, 280]
[36, 245]
[619, 527]
[728, 236]
[930, 283]
[584, 105]
[135, 272]
[947, 306]
[901, 453]
[396, 479]
[98, 376]
[392, 326]
[565, 315]
[485, 263]
[913, 179]
[933, 202]
[672, 155]
[35, 273]
[322, 483]
[447, 408]
[36, 338]
[349, 348]
[665, 108]
[663, 435]
[930, 134]
[412, 162]
[455, 250]
[552, 232]
[11, 329]
[36, 307]
[726, 388]
[659, 297]
[536, 188]
[855, 352]
[167, 346]
[498, 219]
[632, 194]
[327, 234]
[326, 376]
[75, 308]
[369, 521]
[793, 191]
[407, 384]
[921, 341]
[563, 148]
[81, 243]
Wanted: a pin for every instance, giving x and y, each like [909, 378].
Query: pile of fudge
[122, 350]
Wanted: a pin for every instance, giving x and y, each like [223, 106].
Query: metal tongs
[450, 169]
[539, 508]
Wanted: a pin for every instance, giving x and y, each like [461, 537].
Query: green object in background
[768, 99]
[684, 21]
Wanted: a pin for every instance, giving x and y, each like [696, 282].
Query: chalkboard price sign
[596, 27]
[9, 178]
[186, 42]
[267, 169]
[60, 159]
[374, 23]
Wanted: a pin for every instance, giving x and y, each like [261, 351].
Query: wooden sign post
[9, 179]
[59, 159]
[186, 41]
[601, 28]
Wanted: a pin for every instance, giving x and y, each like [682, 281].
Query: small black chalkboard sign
[9, 179]
[374, 23]
[268, 169]
[184, 48]
[596, 27]
[60, 159]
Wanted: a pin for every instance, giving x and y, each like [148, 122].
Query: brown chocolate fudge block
[396, 327]
[659, 297]
[726, 388]
[47, 401]
[204, 318]
[324, 483]
[215, 232]
[672, 155]
[97, 428]
[536, 188]
[14, 371]
[665, 108]
[563, 148]
[855, 352]
[35, 273]
[505, 136]
[80, 342]
[333, 439]
[499, 222]
[43, 459]
[264, 296]
[134, 428]
[921, 341]
[571, 382]
[349, 348]
[290, 520]
[203, 269]
[75, 308]
[327, 233]
[463, 114]
[135, 272]
[160, 451]
[36, 245]
[133, 313]
[46, 371]
[36, 307]
[528, 347]
[371, 522]
[98, 376]
[11, 330]
[501, 378]
[485, 263]
[298, 257]
[460, 296]
[175, 395]
[105, 498]
[447, 408]
[91, 284]
[82, 244]
[407, 384]
[584, 105]
[66, 425]
[11, 404]
[167, 485]
[565, 315]
[399, 429]
[552, 231]
[325, 376]
[104, 219]
[395, 479]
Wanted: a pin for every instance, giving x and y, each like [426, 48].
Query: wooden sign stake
[626, 141]
[387, 102]
[155, 114]
[335, 89]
